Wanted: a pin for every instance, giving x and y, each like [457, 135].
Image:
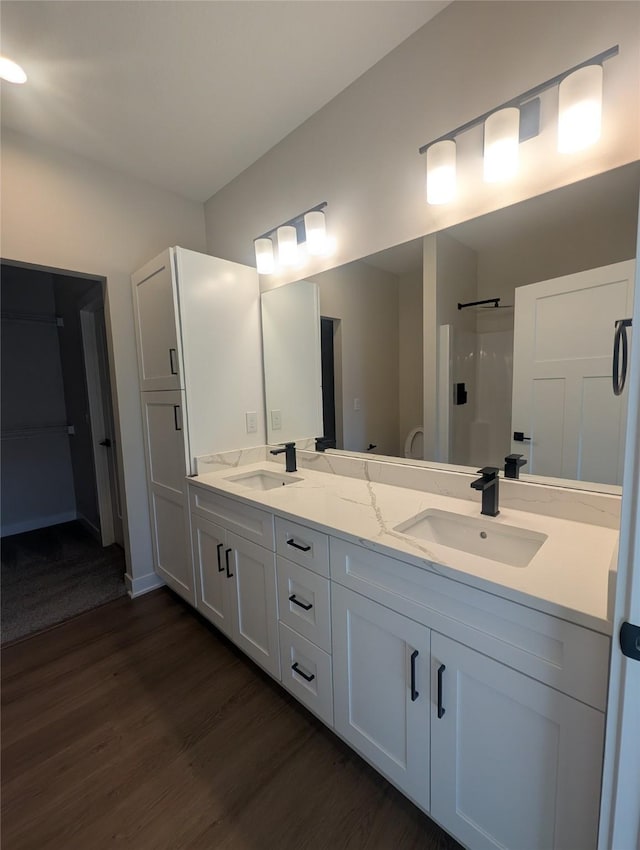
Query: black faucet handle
[519, 460]
[489, 472]
[512, 464]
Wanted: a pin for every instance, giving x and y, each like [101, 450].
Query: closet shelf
[38, 318]
[28, 431]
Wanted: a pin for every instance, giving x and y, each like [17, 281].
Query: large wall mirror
[414, 376]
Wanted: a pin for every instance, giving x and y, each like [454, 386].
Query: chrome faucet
[488, 485]
[290, 456]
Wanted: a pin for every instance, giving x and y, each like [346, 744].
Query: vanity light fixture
[287, 245]
[518, 119]
[501, 145]
[580, 109]
[265, 263]
[316, 230]
[11, 71]
[441, 172]
[308, 229]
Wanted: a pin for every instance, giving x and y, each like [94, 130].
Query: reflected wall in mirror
[408, 359]
[291, 355]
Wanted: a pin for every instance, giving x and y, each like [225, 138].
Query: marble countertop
[569, 577]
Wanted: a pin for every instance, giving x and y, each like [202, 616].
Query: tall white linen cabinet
[198, 338]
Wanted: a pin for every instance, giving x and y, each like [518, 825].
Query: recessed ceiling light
[11, 71]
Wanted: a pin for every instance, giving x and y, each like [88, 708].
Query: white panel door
[515, 764]
[166, 459]
[212, 566]
[155, 310]
[381, 689]
[170, 545]
[562, 363]
[255, 609]
[220, 325]
[292, 361]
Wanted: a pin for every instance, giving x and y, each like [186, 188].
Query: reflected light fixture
[501, 145]
[265, 263]
[441, 172]
[580, 109]
[517, 120]
[306, 233]
[11, 71]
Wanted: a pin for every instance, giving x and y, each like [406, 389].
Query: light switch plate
[251, 418]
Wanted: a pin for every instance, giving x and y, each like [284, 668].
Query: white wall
[410, 393]
[365, 299]
[456, 283]
[68, 213]
[360, 152]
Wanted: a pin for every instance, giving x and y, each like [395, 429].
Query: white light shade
[441, 172]
[580, 109]
[11, 71]
[265, 263]
[315, 228]
[288, 245]
[501, 145]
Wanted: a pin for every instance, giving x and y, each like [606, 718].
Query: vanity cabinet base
[514, 763]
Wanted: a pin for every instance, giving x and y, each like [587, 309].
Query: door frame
[620, 802]
[91, 311]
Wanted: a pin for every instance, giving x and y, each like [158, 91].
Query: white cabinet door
[381, 689]
[155, 312]
[166, 459]
[212, 565]
[515, 764]
[255, 608]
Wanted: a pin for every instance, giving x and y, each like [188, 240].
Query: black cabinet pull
[295, 545]
[220, 567]
[295, 601]
[172, 361]
[441, 670]
[176, 411]
[227, 552]
[300, 672]
[414, 692]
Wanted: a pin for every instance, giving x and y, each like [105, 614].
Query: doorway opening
[61, 524]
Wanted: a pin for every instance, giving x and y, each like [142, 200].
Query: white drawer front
[570, 658]
[304, 602]
[303, 545]
[306, 672]
[249, 522]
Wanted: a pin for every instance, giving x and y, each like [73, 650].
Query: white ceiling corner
[184, 94]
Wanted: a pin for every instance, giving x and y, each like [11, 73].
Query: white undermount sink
[507, 544]
[263, 479]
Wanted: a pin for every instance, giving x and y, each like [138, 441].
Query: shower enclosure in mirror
[417, 376]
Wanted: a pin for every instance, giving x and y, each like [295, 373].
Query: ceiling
[183, 94]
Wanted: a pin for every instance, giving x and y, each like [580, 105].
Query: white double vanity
[465, 657]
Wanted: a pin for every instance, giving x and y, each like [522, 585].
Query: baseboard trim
[93, 530]
[143, 584]
[37, 522]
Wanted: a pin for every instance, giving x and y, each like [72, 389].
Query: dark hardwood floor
[137, 725]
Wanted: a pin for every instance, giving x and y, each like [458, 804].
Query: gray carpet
[54, 573]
